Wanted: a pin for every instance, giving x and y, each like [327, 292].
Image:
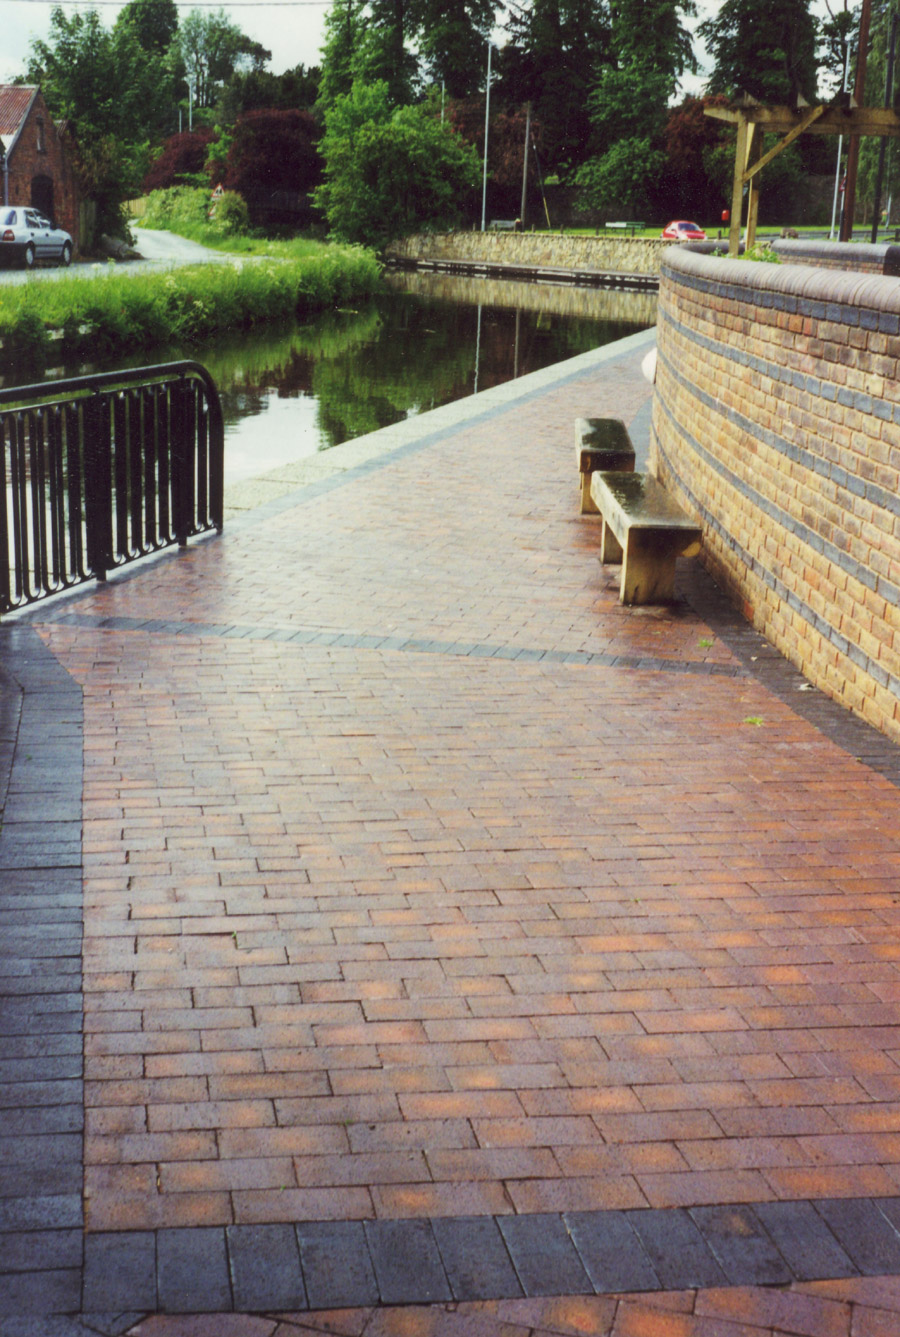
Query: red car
[683, 231]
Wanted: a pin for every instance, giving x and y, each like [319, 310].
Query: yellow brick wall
[776, 421]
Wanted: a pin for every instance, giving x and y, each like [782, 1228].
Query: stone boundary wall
[776, 422]
[619, 255]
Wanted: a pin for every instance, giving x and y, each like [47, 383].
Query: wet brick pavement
[400, 936]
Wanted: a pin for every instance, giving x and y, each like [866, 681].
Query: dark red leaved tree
[183, 157]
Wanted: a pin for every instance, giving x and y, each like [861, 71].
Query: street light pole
[487, 113]
[862, 55]
[525, 166]
[837, 169]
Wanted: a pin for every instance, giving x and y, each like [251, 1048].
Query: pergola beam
[833, 121]
[754, 120]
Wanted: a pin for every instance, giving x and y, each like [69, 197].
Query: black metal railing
[97, 471]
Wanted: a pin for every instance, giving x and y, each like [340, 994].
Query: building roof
[15, 103]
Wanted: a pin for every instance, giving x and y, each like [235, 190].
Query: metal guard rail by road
[97, 471]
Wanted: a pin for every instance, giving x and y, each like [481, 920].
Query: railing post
[97, 485]
[182, 492]
[5, 556]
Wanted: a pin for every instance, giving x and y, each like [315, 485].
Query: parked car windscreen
[10, 219]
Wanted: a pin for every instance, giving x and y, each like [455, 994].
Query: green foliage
[153, 22]
[177, 208]
[257, 90]
[344, 27]
[766, 48]
[25, 339]
[231, 213]
[113, 94]
[452, 39]
[389, 171]
[782, 183]
[876, 68]
[556, 51]
[622, 180]
[211, 49]
[652, 33]
[629, 103]
[762, 251]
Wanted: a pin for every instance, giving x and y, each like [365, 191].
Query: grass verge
[117, 310]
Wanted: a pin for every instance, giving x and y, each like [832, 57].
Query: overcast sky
[290, 29]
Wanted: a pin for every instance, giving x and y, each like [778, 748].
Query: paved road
[158, 250]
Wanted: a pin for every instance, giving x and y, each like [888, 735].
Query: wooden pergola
[753, 120]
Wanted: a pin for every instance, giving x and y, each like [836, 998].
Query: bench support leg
[588, 505]
[610, 547]
[648, 570]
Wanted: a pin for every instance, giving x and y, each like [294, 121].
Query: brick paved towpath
[401, 937]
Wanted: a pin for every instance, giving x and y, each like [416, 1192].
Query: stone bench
[601, 445]
[645, 530]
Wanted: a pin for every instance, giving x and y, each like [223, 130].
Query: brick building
[38, 169]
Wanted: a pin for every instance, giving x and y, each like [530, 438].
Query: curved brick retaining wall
[776, 421]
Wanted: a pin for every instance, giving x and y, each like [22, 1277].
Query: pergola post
[737, 189]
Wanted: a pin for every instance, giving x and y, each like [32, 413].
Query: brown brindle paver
[424, 879]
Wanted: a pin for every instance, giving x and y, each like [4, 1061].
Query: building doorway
[42, 196]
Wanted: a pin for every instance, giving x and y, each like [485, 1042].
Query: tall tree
[114, 95]
[153, 22]
[555, 52]
[212, 48]
[453, 36]
[654, 33]
[254, 90]
[766, 48]
[389, 169]
[343, 34]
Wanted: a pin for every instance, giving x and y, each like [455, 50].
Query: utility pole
[859, 91]
[487, 114]
[882, 146]
[525, 164]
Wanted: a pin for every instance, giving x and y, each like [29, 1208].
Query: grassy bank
[118, 310]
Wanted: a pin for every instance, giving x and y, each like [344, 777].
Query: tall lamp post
[837, 169]
[862, 54]
[487, 113]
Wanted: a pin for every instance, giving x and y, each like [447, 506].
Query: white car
[27, 237]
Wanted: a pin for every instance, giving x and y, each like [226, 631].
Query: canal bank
[601, 261]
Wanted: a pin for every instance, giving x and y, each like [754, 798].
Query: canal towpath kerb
[400, 936]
